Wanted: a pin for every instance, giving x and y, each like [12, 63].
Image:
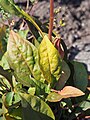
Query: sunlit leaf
[36, 106]
[31, 90]
[9, 98]
[1, 112]
[54, 97]
[23, 33]
[66, 92]
[16, 98]
[4, 62]
[85, 105]
[70, 91]
[50, 61]
[23, 58]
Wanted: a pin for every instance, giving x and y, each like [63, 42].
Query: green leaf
[1, 112]
[64, 76]
[4, 62]
[54, 97]
[9, 98]
[23, 33]
[15, 113]
[50, 61]
[66, 92]
[10, 7]
[7, 74]
[2, 41]
[80, 76]
[31, 90]
[23, 58]
[1, 118]
[36, 108]
[7, 5]
[28, 112]
[85, 105]
[17, 98]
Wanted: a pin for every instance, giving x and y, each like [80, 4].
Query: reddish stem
[51, 19]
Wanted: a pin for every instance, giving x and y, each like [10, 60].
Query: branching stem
[51, 19]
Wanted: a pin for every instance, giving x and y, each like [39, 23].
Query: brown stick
[51, 19]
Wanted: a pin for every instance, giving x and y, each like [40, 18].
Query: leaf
[7, 117]
[50, 61]
[70, 91]
[1, 118]
[10, 7]
[54, 97]
[66, 92]
[2, 41]
[15, 112]
[4, 62]
[58, 45]
[1, 111]
[31, 90]
[36, 108]
[7, 5]
[23, 33]
[80, 76]
[17, 98]
[85, 105]
[28, 112]
[7, 75]
[64, 76]
[9, 98]
[23, 58]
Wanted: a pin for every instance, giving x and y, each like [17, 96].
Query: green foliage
[66, 92]
[65, 74]
[80, 76]
[25, 54]
[35, 73]
[37, 105]
[50, 61]
[10, 7]
[2, 41]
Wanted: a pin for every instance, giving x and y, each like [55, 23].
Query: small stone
[71, 38]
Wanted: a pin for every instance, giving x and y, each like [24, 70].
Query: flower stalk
[51, 19]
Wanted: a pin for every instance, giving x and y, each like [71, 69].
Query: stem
[51, 19]
[27, 4]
